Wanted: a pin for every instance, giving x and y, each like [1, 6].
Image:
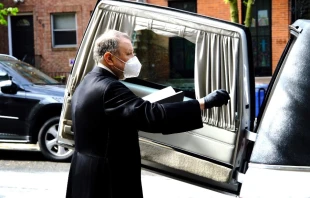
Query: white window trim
[62, 30]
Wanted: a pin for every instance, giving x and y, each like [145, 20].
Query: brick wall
[3, 40]
[279, 28]
[4, 47]
[158, 2]
[213, 8]
[50, 59]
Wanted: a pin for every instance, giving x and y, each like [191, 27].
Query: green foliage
[233, 7]
[248, 15]
[234, 11]
[6, 11]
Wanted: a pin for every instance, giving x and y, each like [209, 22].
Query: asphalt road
[27, 174]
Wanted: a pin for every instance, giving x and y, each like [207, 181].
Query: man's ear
[107, 57]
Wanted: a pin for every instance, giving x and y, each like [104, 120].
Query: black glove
[216, 98]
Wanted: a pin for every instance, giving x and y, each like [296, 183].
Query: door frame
[10, 30]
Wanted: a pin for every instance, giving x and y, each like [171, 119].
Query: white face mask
[132, 67]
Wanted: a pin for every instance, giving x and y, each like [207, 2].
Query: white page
[159, 95]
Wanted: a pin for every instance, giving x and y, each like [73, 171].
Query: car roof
[7, 57]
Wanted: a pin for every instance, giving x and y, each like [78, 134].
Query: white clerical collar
[105, 67]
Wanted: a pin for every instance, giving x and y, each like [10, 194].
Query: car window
[30, 73]
[216, 55]
[165, 60]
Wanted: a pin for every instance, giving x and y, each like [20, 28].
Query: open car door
[193, 54]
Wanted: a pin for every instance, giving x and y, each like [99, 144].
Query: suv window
[30, 73]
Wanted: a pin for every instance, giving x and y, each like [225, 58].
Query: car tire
[47, 142]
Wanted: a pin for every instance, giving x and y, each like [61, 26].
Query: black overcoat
[106, 118]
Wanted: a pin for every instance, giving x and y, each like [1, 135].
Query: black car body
[30, 107]
[233, 152]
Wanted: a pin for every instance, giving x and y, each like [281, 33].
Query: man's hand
[216, 98]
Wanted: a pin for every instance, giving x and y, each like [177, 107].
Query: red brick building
[45, 24]
[48, 33]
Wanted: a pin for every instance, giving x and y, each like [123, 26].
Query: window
[64, 30]
[300, 9]
[261, 37]
[182, 51]
[155, 54]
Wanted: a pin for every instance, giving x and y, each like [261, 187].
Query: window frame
[257, 34]
[53, 30]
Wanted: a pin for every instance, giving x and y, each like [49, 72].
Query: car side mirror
[6, 84]
[9, 87]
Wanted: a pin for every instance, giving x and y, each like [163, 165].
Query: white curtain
[216, 63]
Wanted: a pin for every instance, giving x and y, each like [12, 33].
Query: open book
[166, 95]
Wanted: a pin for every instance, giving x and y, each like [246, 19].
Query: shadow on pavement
[23, 156]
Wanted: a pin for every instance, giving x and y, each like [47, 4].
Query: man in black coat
[107, 117]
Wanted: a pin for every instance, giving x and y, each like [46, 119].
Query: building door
[22, 38]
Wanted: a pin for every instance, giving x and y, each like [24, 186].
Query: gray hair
[107, 42]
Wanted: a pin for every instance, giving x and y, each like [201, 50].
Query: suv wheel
[47, 142]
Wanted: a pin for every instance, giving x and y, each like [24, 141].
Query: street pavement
[29, 175]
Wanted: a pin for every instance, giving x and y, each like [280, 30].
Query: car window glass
[163, 66]
[278, 77]
[30, 73]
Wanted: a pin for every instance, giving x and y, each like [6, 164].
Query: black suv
[30, 106]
